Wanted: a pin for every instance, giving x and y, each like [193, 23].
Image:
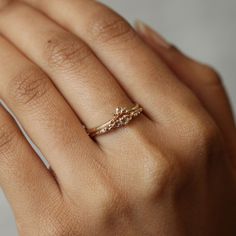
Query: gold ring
[122, 117]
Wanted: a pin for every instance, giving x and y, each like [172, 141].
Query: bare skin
[169, 172]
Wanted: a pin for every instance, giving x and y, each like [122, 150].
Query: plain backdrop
[205, 29]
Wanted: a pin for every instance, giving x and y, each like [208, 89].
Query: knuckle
[117, 211]
[111, 204]
[156, 168]
[106, 200]
[204, 132]
[212, 76]
[29, 86]
[159, 171]
[105, 26]
[66, 52]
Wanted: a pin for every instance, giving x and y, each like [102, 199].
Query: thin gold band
[122, 117]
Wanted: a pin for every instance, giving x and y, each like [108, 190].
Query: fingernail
[147, 32]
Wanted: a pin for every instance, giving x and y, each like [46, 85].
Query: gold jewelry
[122, 117]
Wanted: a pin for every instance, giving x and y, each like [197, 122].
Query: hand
[171, 171]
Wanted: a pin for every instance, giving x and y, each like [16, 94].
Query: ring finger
[81, 77]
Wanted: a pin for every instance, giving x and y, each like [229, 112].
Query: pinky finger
[204, 82]
[25, 180]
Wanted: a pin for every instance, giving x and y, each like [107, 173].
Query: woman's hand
[169, 172]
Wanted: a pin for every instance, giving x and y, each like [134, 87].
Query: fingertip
[150, 35]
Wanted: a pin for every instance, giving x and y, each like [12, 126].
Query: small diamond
[119, 110]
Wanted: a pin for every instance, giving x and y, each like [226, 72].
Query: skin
[171, 171]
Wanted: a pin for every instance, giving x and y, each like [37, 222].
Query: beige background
[202, 28]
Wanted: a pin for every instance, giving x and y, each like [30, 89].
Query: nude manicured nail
[150, 34]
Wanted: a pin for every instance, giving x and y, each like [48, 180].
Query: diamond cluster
[122, 117]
